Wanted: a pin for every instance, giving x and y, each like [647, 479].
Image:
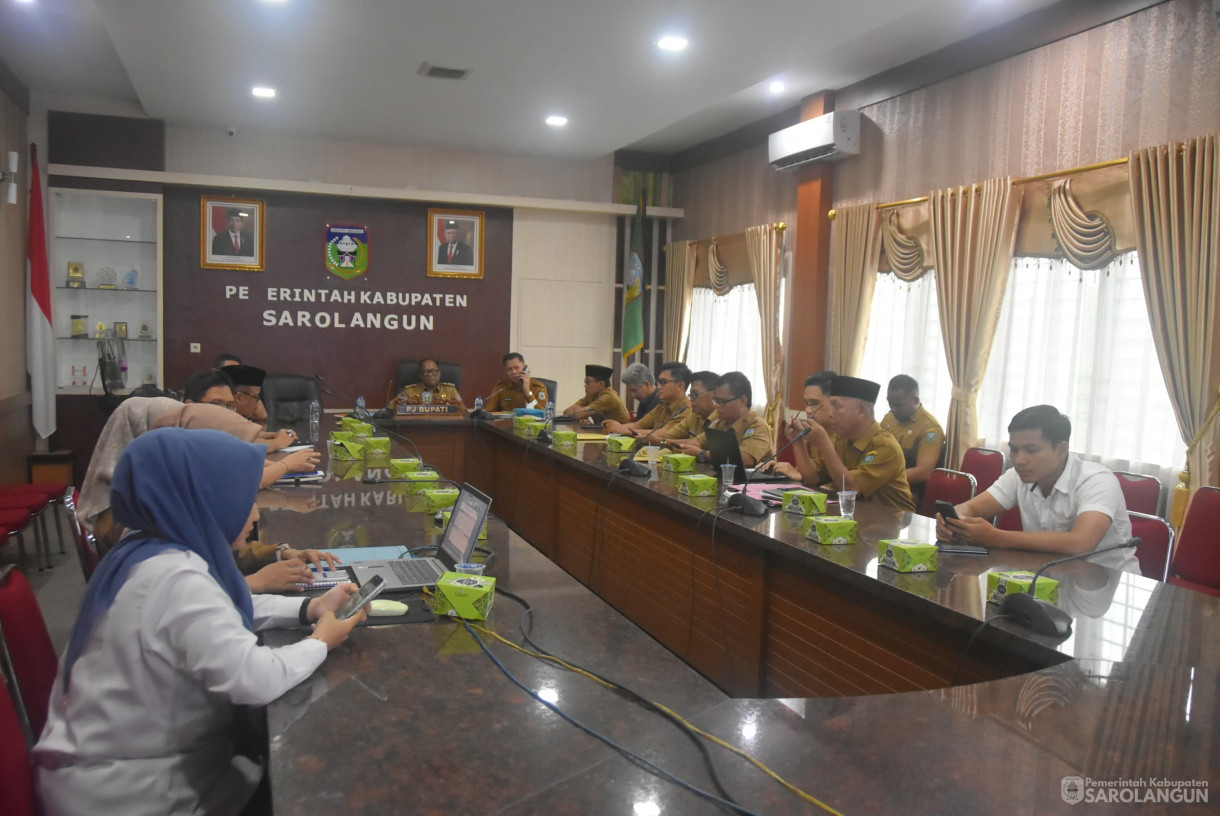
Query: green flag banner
[633, 290]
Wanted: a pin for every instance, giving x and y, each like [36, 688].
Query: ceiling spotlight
[776, 87]
[672, 43]
[263, 93]
[557, 121]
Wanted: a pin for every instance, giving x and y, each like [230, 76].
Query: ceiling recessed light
[776, 87]
[557, 121]
[263, 93]
[672, 43]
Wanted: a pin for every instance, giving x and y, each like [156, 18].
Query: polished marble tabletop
[414, 718]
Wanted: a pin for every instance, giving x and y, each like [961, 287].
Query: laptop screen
[465, 524]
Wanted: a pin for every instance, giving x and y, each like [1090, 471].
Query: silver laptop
[457, 545]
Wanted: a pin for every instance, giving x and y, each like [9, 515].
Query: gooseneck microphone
[1042, 616]
[749, 505]
[483, 413]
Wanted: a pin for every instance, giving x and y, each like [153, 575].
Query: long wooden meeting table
[832, 671]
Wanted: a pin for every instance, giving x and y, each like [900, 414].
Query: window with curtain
[725, 335]
[1081, 341]
[904, 338]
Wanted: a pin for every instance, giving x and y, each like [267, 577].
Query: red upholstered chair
[1143, 493]
[37, 505]
[16, 772]
[984, 464]
[1196, 562]
[1010, 519]
[54, 493]
[28, 645]
[1157, 537]
[952, 486]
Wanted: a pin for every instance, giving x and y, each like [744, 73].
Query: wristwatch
[280, 549]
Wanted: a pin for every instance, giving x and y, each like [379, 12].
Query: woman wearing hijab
[141, 713]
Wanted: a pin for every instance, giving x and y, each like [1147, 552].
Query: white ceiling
[347, 70]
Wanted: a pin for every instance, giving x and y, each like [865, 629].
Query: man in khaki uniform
[862, 457]
[516, 389]
[429, 390]
[599, 397]
[671, 385]
[702, 410]
[918, 433]
[732, 399]
[817, 411]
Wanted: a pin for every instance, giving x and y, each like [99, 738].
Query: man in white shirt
[1068, 506]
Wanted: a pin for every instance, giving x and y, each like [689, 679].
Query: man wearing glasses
[817, 409]
[429, 390]
[671, 385]
[702, 410]
[248, 391]
[600, 398]
[860, 456]
[732, 398]
[214, 387]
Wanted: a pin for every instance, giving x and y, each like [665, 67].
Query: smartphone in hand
[368, 591]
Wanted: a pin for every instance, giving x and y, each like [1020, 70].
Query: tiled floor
[60, 589]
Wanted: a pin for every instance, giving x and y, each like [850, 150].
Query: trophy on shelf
[120, 329]
[145, 332]
[132, 279]
[101, 329]
[80, 325]
[106, 278]
[76, 275]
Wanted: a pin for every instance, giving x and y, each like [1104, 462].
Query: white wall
[563, 295]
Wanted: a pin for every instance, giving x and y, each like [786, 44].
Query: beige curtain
[717, 270]
[904, 253]
[1084, 237]
[855, 248]
[765, 247]
[1175, 196]
[679, 286]
[973, 233]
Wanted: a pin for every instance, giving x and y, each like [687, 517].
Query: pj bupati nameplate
[428, 410]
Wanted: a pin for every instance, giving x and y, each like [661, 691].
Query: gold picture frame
[218, 248]
[462, 258]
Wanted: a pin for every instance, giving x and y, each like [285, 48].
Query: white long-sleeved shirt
[145, 726]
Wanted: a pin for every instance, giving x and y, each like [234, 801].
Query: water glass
[847, 504]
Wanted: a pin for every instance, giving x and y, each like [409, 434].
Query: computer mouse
[382, 608]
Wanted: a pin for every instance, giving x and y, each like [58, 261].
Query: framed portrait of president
[455, 249]
[231, 233]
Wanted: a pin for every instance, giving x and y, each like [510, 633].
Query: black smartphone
[946, 509]
[961, 549]
[368, 591]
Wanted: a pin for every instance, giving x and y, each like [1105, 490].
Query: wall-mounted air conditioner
[826, 138]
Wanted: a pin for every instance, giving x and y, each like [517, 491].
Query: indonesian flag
[39, 339]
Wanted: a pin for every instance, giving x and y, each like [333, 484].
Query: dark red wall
[354, 360]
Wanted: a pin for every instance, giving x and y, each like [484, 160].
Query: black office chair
[287, 398]
[550, 391]
[408, 373]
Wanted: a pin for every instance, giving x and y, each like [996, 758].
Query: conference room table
[844, 678]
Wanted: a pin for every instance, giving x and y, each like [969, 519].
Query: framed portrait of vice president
[231, 233]
[455, 246]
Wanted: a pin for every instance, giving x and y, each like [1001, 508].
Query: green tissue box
[534, 427]
[620, 444]
[401, 467]
[805, 502]
[377, 446]
[348, 423]
[347, 470]
[447, 514]
[907, 555]
[520, 423]
[678, 462]
[420, 480]
[1000, 584]
[439, 498]
[342, 451]
[564, 437]
[698, 486]
[362, 429]
[833, 530]
[341, 436]
[465, 596]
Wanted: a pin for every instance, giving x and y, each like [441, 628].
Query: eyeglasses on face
[696, 393]
[664, 381]
[256, 397]
[231, 406]
[726, 400]
[813, 405]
